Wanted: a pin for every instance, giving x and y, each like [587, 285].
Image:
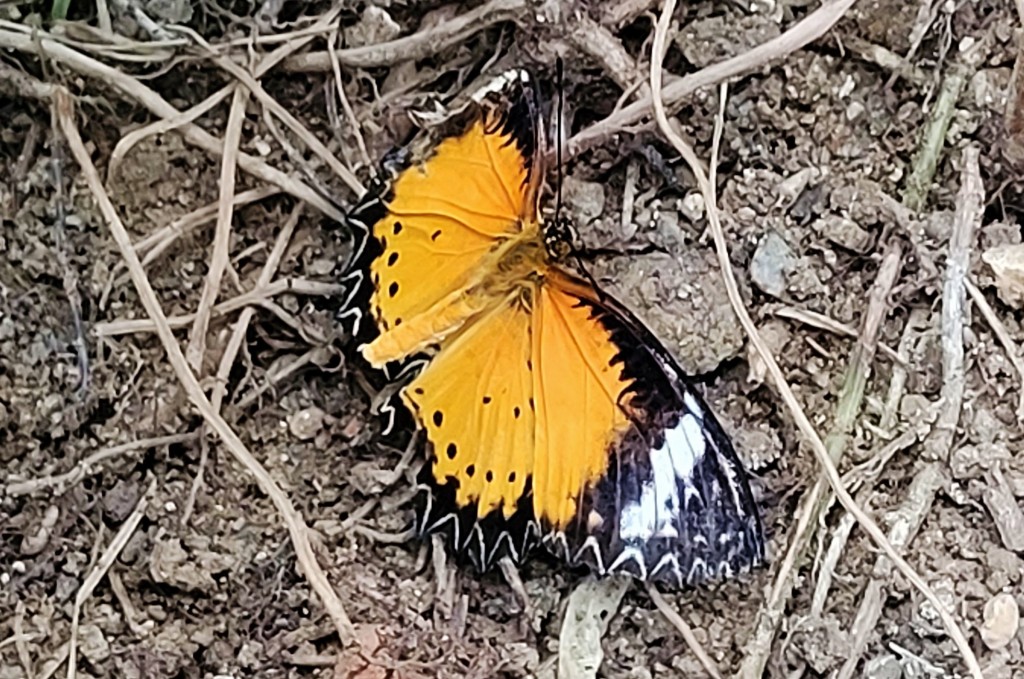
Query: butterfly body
[546, 410]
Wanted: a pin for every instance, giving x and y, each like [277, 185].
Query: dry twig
[124, 533]
[823, 322]
[196, 350]
[1003, 335]
[969, 212]
[684, 630]
[297, 529]
[416, 46]
[931, 477]
[62, 481]
[803, 424]
[810, 28]
[259, 296]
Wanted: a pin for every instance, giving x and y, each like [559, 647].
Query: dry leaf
[1007, 264]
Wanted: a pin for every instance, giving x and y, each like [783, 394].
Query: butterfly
[546, 411]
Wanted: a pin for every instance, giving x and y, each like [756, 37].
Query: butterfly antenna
[558, 139]
[569, 240]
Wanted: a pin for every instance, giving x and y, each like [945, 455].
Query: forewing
[444, 203]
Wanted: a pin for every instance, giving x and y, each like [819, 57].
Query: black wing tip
[514, 97]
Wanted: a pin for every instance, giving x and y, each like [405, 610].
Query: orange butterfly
[546, 410]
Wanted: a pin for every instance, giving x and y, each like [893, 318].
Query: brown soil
[809, 145]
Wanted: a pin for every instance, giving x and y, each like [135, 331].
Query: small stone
[1000, 620]
[93, 644]
[1007, 264]
[883, 667]
[845, 233]
[692, 206]
[120, 500]
[1006, 513]
[35, 543]
[771, 264]
[968, 461]
[1005, 562]
[305, 423]
[585, 199]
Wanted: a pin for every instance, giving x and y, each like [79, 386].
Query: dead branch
[805, 426]
[62, 481]
[812, 27]
[817, 500]
[297, 529]
[134, 90]
[416, 46]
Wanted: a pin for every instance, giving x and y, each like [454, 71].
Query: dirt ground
[817, 152]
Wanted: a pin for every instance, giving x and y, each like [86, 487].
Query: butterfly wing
[558, 414]
[673, 504]
[445, 203]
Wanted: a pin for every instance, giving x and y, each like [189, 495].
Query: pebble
[305, 423]
[771, 264]
[1000, 620]
[883, 667]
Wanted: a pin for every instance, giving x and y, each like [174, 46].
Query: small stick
[131, 613]
[298, 286]
[600, 44]
[800, 418]
[684, 630]
[357, 129]
[515, 582]
[82, 469]
[278, 376]
[810, 28]
[413, 47]
[103, 18]
[966, 220]
[156, 243]
[1003, 335]
[196, 350]
[898, 380]
[19, 639]
[933, 138]
[227, 360]
[100, 569]
[296, 525]
[823, 322]
[886, 59]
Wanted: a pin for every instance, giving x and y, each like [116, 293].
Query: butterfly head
[561, 239]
